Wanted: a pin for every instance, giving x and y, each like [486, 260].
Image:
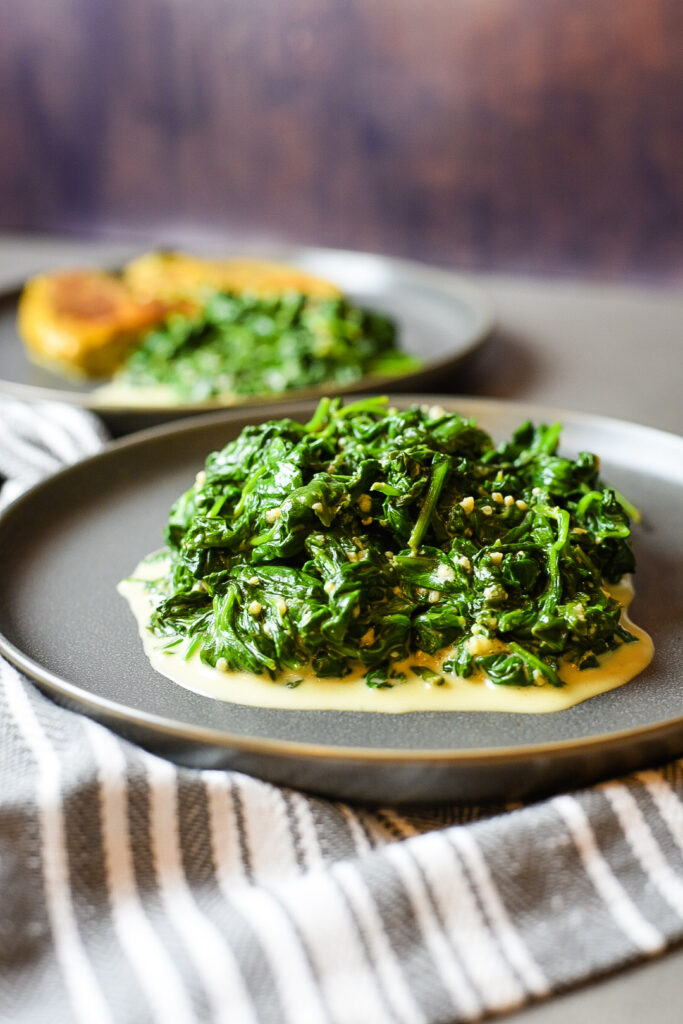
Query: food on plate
[174, 329]
[83, 322]
[384, 559]
[175, 275]
[242, 345]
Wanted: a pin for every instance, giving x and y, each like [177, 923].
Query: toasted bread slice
[173, 275]
[83, 322]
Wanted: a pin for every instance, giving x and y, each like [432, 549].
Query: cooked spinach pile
[370, 534]
[248, 345]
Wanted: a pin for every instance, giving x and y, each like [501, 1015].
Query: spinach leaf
[370, 534]
[245, 344]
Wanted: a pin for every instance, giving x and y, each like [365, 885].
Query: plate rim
[164, 727]
[168, 727]
[453, 281]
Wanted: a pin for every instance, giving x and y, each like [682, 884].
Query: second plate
[440, 316]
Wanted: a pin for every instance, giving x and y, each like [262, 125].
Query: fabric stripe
[641, 933]
[403, 934]
[227, 850]
[87, 861]
[156, 974]
[238, 817]
[443, 957]
[85, 431]
[194, 826]
[30, 974]
[28, 429]
[641, 840]
[21, 459]
[394, 824]
[332, 830]
[324, 1007]
[332, 938]
[80, 431]
[294, 830]
[358, 833]
[45, 431]
[306, 844]
[269, 836]
[509, 938]
[39, 438]
[538, 872]
[87, 999]
[366, 821]
[204, 943]
[487, 971]
[667, 803]
[280, 945]
[145, 873]
[383, 962]
[377, 830]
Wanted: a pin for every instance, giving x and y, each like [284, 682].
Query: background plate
[69, 541]
[441, 317]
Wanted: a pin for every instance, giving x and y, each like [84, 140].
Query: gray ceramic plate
[441, 317]
[68, 542]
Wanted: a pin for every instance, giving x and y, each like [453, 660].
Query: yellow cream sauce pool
[476, 693]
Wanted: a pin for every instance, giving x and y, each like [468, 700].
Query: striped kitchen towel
[135, 891]
[39, 439]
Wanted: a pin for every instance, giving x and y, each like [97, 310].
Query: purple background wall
[537, 135]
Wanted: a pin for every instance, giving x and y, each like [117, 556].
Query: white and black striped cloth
[134, 891]
[36, 440]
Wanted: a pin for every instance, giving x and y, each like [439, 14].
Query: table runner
[132, 890]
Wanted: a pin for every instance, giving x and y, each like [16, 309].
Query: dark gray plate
[441, 317]
[69, 541]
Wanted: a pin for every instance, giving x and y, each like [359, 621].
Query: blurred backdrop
[524, 135]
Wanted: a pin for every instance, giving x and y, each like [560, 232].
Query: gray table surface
[615, 350]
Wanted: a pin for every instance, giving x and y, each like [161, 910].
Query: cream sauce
[116, 393]
[352, 694]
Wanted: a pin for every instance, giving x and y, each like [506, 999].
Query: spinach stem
[436, 482]
[535, 664]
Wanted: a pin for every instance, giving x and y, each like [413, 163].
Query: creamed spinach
[245, 345]
[370, 534]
